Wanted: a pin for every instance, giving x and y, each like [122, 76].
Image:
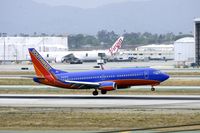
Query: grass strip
[17, 82]
[92, 119]
[169, 82]
[17, 73]
[184, 73]
[89, 92]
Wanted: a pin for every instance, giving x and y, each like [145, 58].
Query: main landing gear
[95, 92]
[152, 88]
[103, 91]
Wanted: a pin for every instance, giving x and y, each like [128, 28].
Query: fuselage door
[103, 77]
[146, 74]
[66, 78]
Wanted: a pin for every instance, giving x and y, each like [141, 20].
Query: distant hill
[156, 16]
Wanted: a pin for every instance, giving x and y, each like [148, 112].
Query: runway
[107, 101]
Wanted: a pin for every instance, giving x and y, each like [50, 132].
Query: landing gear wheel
[95, 93]
[152, 88]
[103, 91]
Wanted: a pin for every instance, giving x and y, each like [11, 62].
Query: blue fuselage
[123, 77]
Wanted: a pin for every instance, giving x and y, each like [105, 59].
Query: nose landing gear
[152, 88]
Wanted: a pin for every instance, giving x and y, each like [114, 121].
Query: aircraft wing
[82, 84]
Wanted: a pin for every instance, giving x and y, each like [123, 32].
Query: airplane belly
[135, 82]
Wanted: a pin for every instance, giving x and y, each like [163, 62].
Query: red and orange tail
[42, 68]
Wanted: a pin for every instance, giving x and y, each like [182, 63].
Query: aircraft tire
[103, 91]
[95, 93]
[153, 89]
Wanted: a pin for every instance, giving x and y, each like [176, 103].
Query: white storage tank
[184, 50]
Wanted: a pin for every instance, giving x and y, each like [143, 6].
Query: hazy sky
[81, 3]
[155, 16]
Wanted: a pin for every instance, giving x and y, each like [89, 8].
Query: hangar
[184, 50]
[16, 48]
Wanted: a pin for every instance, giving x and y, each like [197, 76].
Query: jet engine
[108, 86]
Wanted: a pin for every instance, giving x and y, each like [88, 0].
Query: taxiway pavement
[162, 65]
[101, 101]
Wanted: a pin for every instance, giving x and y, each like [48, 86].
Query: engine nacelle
[108, 86]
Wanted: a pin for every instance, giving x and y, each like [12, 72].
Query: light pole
[179, 62]
[4, 47]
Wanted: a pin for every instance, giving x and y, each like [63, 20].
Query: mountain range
[155, 16]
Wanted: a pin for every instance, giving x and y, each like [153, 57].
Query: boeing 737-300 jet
[103, 80]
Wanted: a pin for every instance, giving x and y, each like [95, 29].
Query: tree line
[104, 39]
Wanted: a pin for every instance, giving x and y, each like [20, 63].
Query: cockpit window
[157, 72]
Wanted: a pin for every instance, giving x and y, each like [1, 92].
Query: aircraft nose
[165, 76]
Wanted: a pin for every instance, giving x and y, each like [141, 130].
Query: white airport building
[184, 51]
[156, 47]
[148, 52]
[16, 48]
[155, 52]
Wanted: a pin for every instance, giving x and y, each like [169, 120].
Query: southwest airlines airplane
[103, 80]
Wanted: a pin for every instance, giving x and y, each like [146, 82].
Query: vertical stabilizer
[42, 68]
[116, 46]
